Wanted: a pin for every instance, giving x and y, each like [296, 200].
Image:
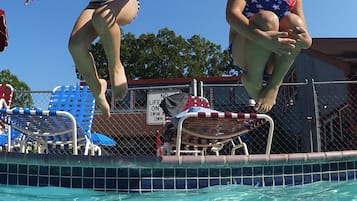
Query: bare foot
[101, 100]
[253, 89]
[119, 84]
[267, 100]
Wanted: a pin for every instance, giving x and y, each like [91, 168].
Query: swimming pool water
[319, 191]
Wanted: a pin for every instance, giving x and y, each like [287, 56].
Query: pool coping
[177, 161]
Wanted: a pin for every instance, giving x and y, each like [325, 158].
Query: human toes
[262, 108]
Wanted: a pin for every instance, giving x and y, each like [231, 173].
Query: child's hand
[301, 36]
[280, 43]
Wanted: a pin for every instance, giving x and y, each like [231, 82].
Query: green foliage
[166, 55]
[22, 97]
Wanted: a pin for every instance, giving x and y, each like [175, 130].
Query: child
[265, 38]
[102, 18]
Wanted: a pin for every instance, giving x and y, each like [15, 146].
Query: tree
[166, 55]
[22, 97]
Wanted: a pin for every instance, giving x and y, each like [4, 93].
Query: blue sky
[38, 54]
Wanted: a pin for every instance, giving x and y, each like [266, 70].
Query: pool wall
[148, 174]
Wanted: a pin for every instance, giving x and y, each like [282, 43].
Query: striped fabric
[67, 121]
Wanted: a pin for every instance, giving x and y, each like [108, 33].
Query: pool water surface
[319, 191]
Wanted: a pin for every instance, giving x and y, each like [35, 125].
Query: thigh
[250, 56]
[239, 44]
[83, 29]
[125, 10]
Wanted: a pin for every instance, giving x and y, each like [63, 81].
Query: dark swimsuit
[102, 2]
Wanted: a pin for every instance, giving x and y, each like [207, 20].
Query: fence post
[194, 84]
[317, 143]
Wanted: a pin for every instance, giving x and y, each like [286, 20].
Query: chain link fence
[309, 117]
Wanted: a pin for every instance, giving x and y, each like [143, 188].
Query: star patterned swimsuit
[279, 7]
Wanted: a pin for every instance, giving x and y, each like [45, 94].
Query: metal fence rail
[309, 116]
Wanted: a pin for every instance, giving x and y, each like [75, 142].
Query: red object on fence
[3, 31]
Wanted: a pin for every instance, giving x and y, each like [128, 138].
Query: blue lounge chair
[66, 124]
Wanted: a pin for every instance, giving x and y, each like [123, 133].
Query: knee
[266, 20]
[291, 21]
[75, 45]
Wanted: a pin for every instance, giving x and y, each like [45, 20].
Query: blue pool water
[341, 191]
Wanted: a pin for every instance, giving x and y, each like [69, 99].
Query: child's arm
[301, 33]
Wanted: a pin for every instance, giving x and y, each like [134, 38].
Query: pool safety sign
[154, 113]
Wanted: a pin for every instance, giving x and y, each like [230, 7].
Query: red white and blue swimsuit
[279, 7]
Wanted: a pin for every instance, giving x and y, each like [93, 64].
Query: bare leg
[251, 56]
[267, 98]
[105, 21]
[282, 64]
[81, 37]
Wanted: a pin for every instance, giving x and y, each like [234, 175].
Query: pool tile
[268, 170]
[169, 184]
[134, 184]
[191, 172]
[100, 183]
[180, 183]
[258, 171]
[33, 181]
[22, 180]
[77, 171]
[258, 181]
[288, 180]
[247, 171]
[66, 171]
[66, 182]
[226, 181]
[188, 176]
[278, 181]
[157, 184]
[77, 183]
[203, 183]
[99, 172]
[145, 184]
[192, 183]
[288, 169]
[55, 181]
[268, 181]
[3, 179]
[13, 168]
[214, 182]
[308, 179]
[88, 183]
[12, 179]
[124, 172]
[316, 177]
[44, 170]
[236, 171]
[248, 181]
[134, 172]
